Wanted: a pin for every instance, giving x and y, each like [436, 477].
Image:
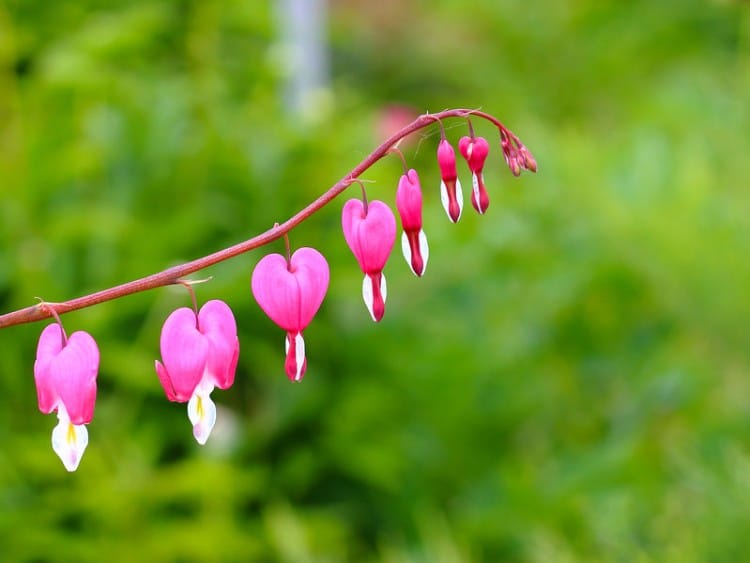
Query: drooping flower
[290, 292]
[370, 231]
[199, 352]
[475, 151]
[450, 186]
[65, 373]
[409, 205]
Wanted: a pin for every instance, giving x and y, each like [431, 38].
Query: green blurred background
[570, 381]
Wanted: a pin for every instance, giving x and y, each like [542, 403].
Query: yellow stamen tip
[71, 436]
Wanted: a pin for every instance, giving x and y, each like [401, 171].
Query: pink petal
[166, 382]
[311, 270]
[446, 157]
[216, 322]
[480, 152]
[292, 295]
[50, 344]
[409, 201]
[352, 215]
[50, 341]
[276, 290]
[370, 235]
[73, 373]
[475, 151]
[184, 351]
[465, 147]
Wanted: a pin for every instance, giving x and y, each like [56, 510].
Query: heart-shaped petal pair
[290, 293]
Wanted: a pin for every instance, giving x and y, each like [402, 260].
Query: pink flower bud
[409, 205]
[370, 233]
[65, 374]
[290, 294]
[517, 158]
[450, 187]
[475, 151]
[529, 163]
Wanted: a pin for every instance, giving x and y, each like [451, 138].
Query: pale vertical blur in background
[305, 56]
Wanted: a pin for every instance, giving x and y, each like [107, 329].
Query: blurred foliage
[569, 381]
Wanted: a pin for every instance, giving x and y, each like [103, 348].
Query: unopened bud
[529, 163]
[514, 164]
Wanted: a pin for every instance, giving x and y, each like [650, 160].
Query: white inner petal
[444, 198]
[423, 249]
[202, 413]
[459, 198]
[367, 294]
[299, 355]
[69, 440]
[406, 249]
[475, 187]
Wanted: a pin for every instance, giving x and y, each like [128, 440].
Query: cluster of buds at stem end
[517, 156]
[200, 346]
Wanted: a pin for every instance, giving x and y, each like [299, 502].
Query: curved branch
[172, 275]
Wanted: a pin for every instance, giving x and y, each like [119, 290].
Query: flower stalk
[516, 154]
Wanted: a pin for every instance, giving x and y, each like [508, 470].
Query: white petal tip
[69, 441]
[424, 252]
[201, 434]
[368, 295]
[299, 357]
[459, 199]
[445, 200]
[202, 413]
[406, 249]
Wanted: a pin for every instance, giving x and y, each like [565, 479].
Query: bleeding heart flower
[450, 187]
[65, 375]
[409, 205]
[475, 151]
[200, 352]
[290, 293]
[370, 231]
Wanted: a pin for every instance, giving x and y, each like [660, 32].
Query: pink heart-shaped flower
[290, 293]
[66, 373]
[369, 233]
[199, 352]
